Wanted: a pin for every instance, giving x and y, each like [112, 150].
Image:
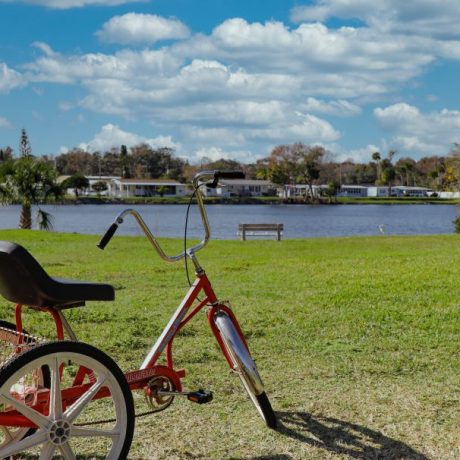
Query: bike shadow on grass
[343, 438]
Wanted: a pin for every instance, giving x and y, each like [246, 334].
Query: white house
[449, 194]
[124, 188]
[378, 191]
[94, 179]
[354, 191]
[241, 187]
[399, 190]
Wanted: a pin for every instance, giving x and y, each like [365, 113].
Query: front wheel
[87, 408]
[245, 367]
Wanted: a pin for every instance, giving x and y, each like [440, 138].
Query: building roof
[103, 178]
[246, 182]
[354, 186]
[406, 187]
[149, 181]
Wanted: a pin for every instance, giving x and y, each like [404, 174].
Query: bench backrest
[261, 227]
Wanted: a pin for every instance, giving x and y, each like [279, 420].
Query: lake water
[299, 220]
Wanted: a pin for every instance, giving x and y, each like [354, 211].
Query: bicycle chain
[111, 420]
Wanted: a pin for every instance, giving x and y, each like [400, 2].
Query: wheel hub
[59, 432]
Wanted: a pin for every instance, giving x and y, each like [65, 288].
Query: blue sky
[231, 78]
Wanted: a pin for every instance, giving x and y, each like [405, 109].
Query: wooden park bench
[275, 230]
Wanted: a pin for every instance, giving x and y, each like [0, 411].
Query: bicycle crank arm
[199, 397]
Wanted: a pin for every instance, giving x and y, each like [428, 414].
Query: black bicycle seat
[24, 281]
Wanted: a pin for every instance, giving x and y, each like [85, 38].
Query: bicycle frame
[137, 379]
[180, 319]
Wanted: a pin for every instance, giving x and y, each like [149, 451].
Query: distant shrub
[456, 222]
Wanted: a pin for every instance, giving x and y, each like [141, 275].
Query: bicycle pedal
[200, 396]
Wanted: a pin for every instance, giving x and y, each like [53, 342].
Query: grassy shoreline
[255, 200]
[357, 340]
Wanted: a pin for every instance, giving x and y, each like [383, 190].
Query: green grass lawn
[357, 339]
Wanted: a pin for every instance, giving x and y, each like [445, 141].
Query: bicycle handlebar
[199, 180]
[107, 236]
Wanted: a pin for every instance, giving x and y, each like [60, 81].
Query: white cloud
[241, 63]
[312, 129]
[246, 84]
[423, 17]
[66, 4]
[417, 132]
[113, 136]
[9, 79]
[135, 67]
[134, 28]
[229, 113]
[44, 48]
[4, 123]
[398, 115]
[212, 136]
[341, 107]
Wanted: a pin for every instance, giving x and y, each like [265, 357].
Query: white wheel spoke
[76, 408]
[7, 433]
[66, 451]
[30, 441]
[47, 451]
[90, 432]
[55, 391]
[34, 416]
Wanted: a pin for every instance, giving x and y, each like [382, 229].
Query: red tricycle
[67, 397]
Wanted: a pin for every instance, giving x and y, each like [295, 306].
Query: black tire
[45, 376]
[68, 352]
[245, 367]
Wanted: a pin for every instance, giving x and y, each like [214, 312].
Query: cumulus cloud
[245, 83]
[311, 129]
[418, 132]
[112, 135]
[341, 107]
[425, 17]
[66, 4]
[4, 123]
[133, 28]
[9, 79]
[240, 61]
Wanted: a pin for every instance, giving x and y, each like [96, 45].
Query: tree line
[296, 163]
[300, 163]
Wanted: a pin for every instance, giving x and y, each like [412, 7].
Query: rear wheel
[87, 410]
[245, 367]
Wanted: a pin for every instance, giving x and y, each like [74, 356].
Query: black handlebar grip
[108, 236]
[229, 175]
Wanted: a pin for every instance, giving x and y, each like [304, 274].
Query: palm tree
[377, 158]
[29, 181]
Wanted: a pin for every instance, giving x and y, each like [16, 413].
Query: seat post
[18, 317]
[67, 327]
